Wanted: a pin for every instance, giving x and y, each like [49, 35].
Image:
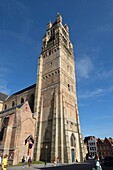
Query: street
[78, 166]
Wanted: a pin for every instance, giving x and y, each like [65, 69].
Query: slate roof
[23, 90]
[3, 96]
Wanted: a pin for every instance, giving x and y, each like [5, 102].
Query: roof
[100, 140]
[23, 90]
[110, 140]
[3, 96]
[87, 138]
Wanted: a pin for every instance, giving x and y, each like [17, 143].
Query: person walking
[0, 160]
[57, 161]
[29, 162]
[23, 161]
[4, 162]
[97, 165]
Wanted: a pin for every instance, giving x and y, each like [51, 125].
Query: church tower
[56, 111]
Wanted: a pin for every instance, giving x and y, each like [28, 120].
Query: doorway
[72, 155]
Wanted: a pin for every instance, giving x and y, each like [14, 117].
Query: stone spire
[49, 25]
[59, 18]
[66, 27]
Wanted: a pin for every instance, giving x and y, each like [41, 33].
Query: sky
[23, 24]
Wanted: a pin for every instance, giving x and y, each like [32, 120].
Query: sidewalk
[33, 166]
[39, 166]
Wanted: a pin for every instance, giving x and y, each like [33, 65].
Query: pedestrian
[45, 162]
[5, 162]
[0, 160]
[29, 162]
[97, 165]
[23, 161]
[57, 161]
[27, 157]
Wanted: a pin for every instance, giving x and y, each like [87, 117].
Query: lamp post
[46, 154]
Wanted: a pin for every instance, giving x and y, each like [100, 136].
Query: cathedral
[42, 121]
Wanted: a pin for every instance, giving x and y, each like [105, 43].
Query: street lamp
[46, 154]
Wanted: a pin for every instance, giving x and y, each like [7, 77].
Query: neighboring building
[91, 142]
[105, 147]
[46, 114]
[99, 147]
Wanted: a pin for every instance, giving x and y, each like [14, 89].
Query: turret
[49, 25]
[59, 18]
[66, 27]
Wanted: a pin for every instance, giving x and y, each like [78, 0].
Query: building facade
[46, 114]
[91, 142]
[105, 147]
[17, 124]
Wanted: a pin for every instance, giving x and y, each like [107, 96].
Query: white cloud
[3, 81]
[95, 93]
[3, 87]
[84, 66]
[104, 74]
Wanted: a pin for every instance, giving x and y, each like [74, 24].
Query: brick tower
[57, 128]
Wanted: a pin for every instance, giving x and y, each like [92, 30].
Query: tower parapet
[56, 34]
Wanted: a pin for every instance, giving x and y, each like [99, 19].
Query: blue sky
[22, 26]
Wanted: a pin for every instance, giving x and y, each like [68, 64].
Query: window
[68, 87]
[13, 104]
[5, 122]
[49, 52]
[5, 107]
[22, 100]
[31, 102]
[72, 140]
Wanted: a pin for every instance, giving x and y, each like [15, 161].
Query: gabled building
[91, 143]
[105, 147]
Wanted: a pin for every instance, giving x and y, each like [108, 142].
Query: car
[108, 161]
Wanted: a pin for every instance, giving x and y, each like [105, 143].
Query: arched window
[5, 122]
[13, 104]
[72, 140]
[31, 102]
[22, 100]
[5, 107]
